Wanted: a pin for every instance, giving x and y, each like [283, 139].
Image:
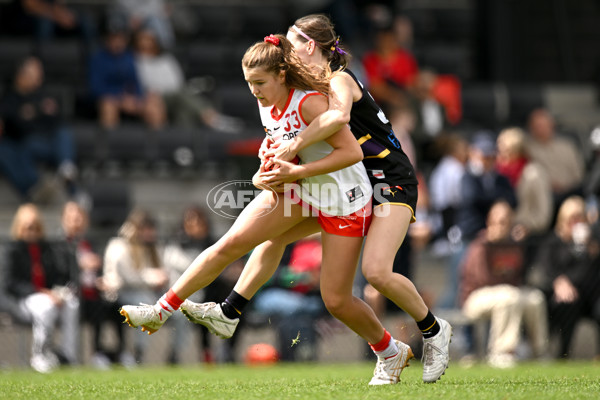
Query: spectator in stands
[404, 31]
[389, 69]
[144, 14]
[134, 272]
[403, 122]
[592, 179]
[566, 270]
[530, 181]
[193, 237]
[160, 73]
[74, 227]
[40, 279]
[34, 132]
[115, 86]
[445, 185]
[292, 299]
[557, 155]
[45, 18]
[492, 288]
[481, 186]
[430, 115]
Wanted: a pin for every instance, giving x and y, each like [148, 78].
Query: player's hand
[266, 144]
[282, 172]
[281, 152]
[258, 180]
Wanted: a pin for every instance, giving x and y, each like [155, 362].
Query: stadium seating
[12, 51]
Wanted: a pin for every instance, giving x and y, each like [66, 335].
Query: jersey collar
[287, 103]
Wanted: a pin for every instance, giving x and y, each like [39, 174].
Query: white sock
[165, 307]
[390, 351]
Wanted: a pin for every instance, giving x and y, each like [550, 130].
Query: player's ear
[310, 47]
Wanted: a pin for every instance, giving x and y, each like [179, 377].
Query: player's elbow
[356, 154]
[340, 118]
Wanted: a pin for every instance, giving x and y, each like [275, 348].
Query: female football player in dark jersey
[391, 174]
[389, 169]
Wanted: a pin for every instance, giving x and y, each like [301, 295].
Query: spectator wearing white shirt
[160, 73]
[444, 183]
[557, 155]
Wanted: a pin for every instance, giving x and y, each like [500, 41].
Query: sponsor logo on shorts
[354, 193]
[378, 173]
[392, 190]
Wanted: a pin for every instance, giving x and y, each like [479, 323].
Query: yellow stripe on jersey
[383, 154]
[364, 139]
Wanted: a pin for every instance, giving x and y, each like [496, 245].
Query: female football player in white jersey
[391, 175]
[390, 171]
[334, 186]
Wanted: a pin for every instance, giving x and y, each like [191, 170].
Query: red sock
[386, 347]
[170, 301]
[383, 343]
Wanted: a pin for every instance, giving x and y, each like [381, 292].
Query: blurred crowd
[131, 74]
[64, 281]
[511, 212]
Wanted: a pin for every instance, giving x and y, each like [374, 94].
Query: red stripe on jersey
[302, 102]
[287, 103]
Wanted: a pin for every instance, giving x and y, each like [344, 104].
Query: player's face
[269, 88]
[301, 47]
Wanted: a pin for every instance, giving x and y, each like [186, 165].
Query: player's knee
[276, 244]
[232, 246]
[335, 304]
[378, 278]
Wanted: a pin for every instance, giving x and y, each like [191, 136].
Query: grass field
[573, 380]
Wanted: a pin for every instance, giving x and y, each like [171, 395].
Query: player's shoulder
[311, 105]
[310, 99]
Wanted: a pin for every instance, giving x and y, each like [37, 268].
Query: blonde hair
[572, 207]
[275, 58]
[131, 231]
[512, 139]
[20, 217]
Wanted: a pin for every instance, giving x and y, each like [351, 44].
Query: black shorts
[404, 195]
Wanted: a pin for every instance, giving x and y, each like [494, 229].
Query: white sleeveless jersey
[337, 193]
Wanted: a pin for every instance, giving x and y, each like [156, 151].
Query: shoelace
[150, 311]
[147, 311]
[207, 309]
[380, 370]
[428, 355]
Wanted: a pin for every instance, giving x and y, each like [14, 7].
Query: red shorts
[353, 225]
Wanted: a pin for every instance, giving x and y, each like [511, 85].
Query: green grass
[574, 380]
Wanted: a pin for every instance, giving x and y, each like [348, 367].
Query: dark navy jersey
[384, 158]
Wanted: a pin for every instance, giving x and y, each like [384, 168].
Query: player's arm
[326, 124]
[346, 150]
